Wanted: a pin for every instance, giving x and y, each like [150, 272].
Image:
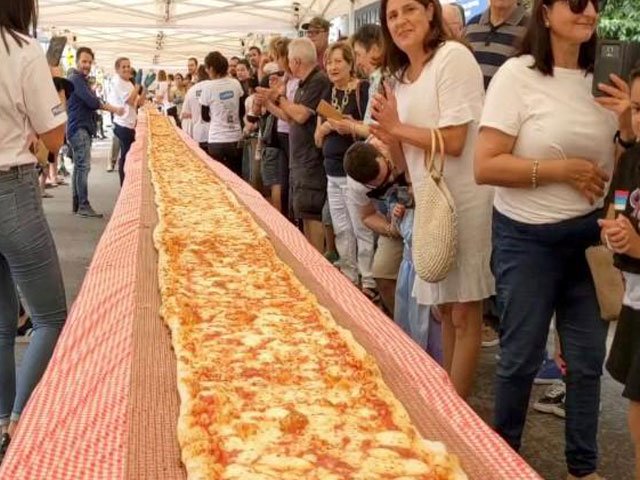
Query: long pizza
[270, 386]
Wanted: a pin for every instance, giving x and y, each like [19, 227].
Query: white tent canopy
[164, 33]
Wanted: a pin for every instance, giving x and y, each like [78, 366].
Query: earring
[547, 24]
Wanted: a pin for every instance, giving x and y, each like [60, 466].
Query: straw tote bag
[434, 228]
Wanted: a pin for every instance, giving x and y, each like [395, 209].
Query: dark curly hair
[217, 63]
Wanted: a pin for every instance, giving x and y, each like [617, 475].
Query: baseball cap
[271, 67]
[318, 23]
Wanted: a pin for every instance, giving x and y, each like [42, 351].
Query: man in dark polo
[495, 35]
[308, 179]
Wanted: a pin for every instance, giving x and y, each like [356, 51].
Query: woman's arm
[495, 164]
[322, 130]
[53, 139]
[278, 112]
[454, 137]
[385, 112]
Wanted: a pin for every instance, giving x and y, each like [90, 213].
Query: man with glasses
[317, 30]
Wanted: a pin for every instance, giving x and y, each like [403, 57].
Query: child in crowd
[621, 235]
[414, 318]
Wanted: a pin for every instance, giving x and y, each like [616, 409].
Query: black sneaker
[24, 332]
[553, 397]
[4, 445]
[88, 212]
[74, 204]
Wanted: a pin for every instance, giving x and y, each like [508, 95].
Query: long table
[107, 406]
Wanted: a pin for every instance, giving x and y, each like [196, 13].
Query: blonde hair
[347, 53]
[279, 47]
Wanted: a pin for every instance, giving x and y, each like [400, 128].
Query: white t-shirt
[162, 93]
[29, 103]
[120, 91]
[357, 193]
[222, 96]
[290, 90]
[550, 116]
[199, 128]
[248, 107]
[632, 290]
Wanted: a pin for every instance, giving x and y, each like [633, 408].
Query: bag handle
[358, 100]
[435, 168]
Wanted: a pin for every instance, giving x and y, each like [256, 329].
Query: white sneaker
[552, 399]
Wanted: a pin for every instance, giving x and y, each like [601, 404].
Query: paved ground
[543, 448]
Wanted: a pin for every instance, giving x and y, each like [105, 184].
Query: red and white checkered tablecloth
[75, 426]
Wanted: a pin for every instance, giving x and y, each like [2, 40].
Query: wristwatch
[623, 143]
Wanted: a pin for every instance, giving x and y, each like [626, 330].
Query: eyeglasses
[313, 33]
[383, 185]
[579, 6]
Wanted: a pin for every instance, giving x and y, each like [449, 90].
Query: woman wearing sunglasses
[548, 147]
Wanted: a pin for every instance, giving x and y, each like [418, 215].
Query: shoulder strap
[358, 100]
[435, 168]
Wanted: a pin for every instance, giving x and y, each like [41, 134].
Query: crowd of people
[344, 134]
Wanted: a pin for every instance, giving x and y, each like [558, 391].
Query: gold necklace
[340, 104]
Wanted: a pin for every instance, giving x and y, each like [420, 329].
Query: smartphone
[55, 50]
[386, 79]
[614, 56]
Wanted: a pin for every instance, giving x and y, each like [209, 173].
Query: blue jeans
[412, 317]
[126, 136]
[540, 269]
[81, 146]
[28, 260]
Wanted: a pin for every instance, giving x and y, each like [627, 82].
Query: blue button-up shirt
[81, 106]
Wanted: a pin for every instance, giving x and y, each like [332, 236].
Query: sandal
[372, 294]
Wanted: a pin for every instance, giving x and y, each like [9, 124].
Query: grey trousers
[28, 261]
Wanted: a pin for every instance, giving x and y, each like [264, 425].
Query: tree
[621, 20]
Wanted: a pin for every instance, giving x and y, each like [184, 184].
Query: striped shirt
[493, 45]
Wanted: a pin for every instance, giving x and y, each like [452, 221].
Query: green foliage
[620, 20]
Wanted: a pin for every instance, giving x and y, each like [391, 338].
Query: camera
[614, 56]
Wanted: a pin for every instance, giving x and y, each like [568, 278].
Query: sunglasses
[375, 190]
[579, 6]
[313, 33]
